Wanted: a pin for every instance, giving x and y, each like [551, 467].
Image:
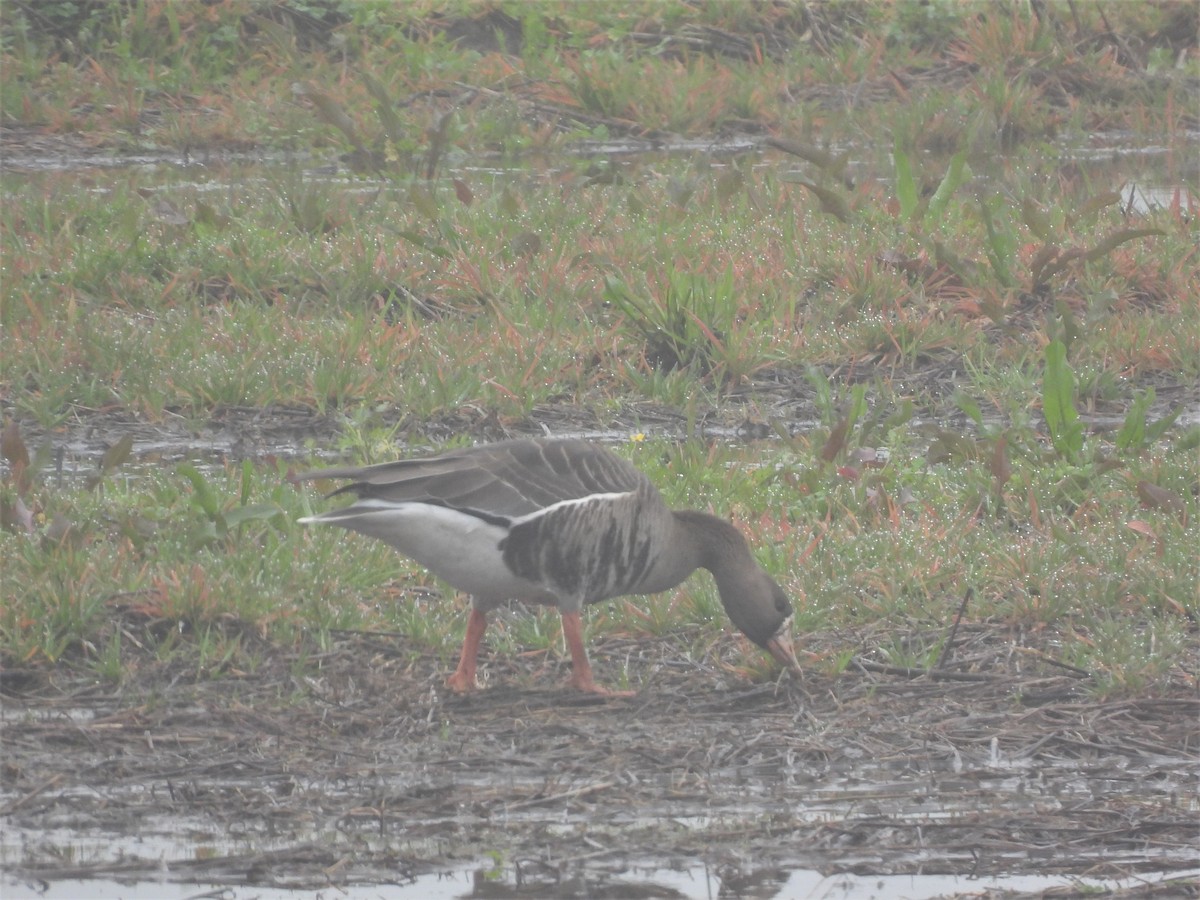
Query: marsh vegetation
[907, 290]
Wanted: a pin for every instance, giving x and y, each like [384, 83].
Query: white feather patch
[575, 501]
[460, 548]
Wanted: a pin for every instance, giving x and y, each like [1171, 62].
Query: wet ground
[354, 773]
[356, 768]
[783, 398]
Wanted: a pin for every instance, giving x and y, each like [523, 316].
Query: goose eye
[782, 604]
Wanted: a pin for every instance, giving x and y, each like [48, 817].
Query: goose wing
[498, 482]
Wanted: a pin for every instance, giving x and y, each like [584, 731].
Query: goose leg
[581, 669]
[463, 678]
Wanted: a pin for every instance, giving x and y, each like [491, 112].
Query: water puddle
[690, 883]
[127, 834]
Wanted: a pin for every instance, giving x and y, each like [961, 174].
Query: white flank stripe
[576, 501]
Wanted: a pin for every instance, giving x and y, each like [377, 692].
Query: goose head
[761, 610]
[753, 600]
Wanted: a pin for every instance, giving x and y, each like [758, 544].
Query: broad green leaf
[906, 187]
[509, 205]
[731, 183]
[1117, 238]
[1159, 427]
[1001, 245]
[968, 406]
[1092, 206]
[858, 402]
[334, 114]
[254, 512]
[950, 446]
[1133, 430]
[116, 455]
[1058, 402]
[1037, 221]
[1189, 439]
[424, 203]
[831, 201]
[1041, 266]
[901, 416]
[202, 495]
[424, 243]
[966, 269]
[392, 125]
[954, 178]
[833, 165]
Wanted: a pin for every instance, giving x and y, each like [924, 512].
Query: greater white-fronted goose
[560, 522]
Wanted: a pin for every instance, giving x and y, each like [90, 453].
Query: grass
[974, 272]
[239, 314]
[182, 556]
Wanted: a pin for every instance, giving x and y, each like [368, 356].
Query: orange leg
[581, 669]
[463, 678]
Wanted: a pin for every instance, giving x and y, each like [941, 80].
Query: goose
[562, 522]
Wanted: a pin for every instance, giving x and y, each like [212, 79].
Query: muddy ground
[356, 766]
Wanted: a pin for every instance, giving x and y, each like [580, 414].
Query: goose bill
[780, 646]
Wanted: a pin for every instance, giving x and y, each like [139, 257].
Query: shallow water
[694, 883]
[921, 814]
